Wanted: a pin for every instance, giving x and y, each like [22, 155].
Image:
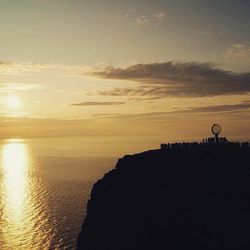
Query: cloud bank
[159, 80]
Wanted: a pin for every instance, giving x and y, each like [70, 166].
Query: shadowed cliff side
[172, 199]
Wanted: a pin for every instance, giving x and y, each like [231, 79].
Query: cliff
[172, 199]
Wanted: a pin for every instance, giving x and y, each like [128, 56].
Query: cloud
[120, 91]
[10, 87]
[142, 20]
[220, 108]
[16, 68]
[97, 103]
[142, 92]
[160, 16]
[203, 110]
[180, 79]
[238, 50]
[4, 63]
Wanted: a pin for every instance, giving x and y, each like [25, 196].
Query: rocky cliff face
[183, 199]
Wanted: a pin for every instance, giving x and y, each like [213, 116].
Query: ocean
[45, 184]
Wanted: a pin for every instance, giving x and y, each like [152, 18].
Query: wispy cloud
[160, 16]
[238, 50]
[97, 103]
[10, 87]
[225, 109]
[159, 80]
[17, 68]
[121, 91]
[220, 108]
[14, 68]
[141, 18]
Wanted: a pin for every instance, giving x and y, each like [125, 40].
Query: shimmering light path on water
[45, 185]
[23, 214]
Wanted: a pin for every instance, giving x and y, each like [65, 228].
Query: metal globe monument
[216, 130]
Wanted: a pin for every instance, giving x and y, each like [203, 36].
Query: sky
[155, 69]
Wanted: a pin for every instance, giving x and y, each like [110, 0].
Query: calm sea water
[45, 184]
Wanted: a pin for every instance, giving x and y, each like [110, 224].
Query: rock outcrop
[172, 199]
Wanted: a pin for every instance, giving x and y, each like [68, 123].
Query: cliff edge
[172, 199]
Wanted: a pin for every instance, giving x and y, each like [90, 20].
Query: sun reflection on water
[16, 166]
[16, 192]
[23, 223]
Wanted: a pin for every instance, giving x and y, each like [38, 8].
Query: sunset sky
[155, 69]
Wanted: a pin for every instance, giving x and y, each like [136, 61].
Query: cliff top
[175, 198]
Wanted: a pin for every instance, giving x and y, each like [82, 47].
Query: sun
[13, 102]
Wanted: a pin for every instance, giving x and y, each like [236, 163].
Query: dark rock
[172, 199]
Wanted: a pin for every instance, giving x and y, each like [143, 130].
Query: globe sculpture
[216, 130]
